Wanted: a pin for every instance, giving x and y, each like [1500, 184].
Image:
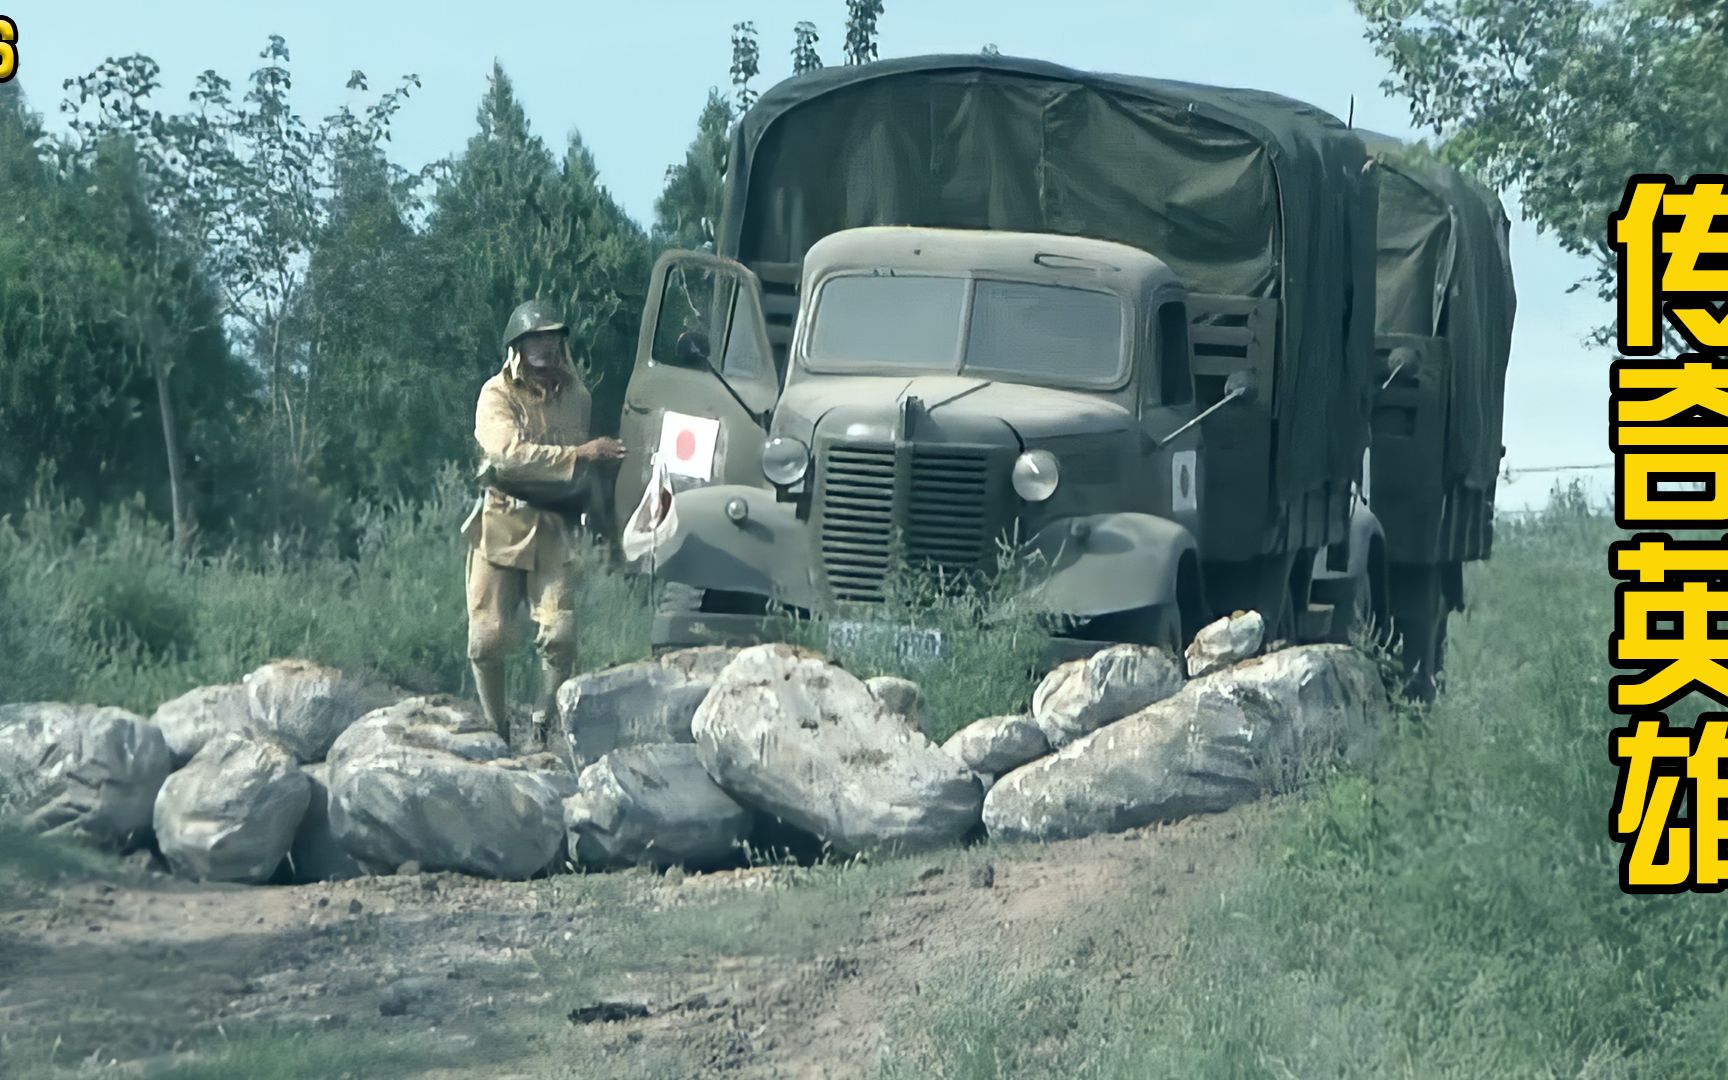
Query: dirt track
[774, 971]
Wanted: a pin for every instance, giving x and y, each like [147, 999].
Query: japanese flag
[687, 444]
[654, 518]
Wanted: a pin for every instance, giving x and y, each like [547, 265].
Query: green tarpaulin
[1444, 270]
[1242, 192]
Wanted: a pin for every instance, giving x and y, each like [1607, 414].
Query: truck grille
[947, 518]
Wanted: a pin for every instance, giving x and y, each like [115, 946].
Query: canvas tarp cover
[1241, 192]
[1444, 270]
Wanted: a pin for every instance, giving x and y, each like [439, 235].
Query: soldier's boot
[489, 686]
[552, 676]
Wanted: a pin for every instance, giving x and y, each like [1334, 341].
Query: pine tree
[687, 213]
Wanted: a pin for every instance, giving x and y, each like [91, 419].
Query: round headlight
[1035, 475]
[785, 460]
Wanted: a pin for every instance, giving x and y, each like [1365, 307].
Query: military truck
[1443, 335]
[1127, 323]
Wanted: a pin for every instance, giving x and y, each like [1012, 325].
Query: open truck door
[704, 385]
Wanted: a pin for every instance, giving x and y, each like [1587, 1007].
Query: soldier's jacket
[527, 440]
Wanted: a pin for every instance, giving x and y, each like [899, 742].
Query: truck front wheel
[1159, 625]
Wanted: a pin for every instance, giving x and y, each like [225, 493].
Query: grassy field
[1453, 911]
[1450, 910]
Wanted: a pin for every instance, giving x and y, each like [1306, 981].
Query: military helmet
[532, 317]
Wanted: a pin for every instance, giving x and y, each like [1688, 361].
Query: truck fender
[766, 553]
[1365, 530]
[1097, 564]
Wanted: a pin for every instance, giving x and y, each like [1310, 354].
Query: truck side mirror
[692, 349]
[1241, 385]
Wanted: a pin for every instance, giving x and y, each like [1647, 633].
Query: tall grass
[102, 612]
[1451, 910]
[990, 642]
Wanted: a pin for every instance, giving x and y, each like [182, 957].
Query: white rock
[998, 744]
[1230, 640]
[653, 805]
[790, 735]
[648, 702]
[316, 854]
[1224, 739]
[427, 781]
[304, 706]
[81, 770]
[195, 717]
[1082, 696]
[232, 812]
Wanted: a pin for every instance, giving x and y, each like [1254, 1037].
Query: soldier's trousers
[496, 595]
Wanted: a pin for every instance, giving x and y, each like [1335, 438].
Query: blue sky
[631, 78]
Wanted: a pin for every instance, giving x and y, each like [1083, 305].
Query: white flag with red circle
[687, 444]
[654, 519]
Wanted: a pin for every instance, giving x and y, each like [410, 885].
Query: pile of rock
[301, 772]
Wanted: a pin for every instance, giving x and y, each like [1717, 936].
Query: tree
[687, 213]
[243, 190]
[746, 62]
[509, 223]
[861, 18]
[804, 54]
[114, 360]
[159, 298]
[1563, 99]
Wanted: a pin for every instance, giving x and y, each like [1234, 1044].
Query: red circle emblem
[685, 446]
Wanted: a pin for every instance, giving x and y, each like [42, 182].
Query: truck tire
[1360, 612]
[1419, 611]
[1159, 625]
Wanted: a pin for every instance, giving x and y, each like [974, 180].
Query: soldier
[539, 472]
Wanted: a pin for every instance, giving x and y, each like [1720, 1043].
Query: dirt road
[771, 971]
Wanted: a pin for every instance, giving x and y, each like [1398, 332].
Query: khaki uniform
[520, 554]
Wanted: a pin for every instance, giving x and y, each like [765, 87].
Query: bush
[104, 614]
[992, 644]
[1452, 910]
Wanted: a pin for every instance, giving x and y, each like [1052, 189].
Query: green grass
[1451, 910]
[29, 861]
[103, 613]
[992, 644]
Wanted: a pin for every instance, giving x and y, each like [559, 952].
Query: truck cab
[947, 397]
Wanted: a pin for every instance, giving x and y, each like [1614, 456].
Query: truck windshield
[1023, 331]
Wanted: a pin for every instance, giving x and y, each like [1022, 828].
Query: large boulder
[653, 805]
[1224, 739]
[81, 770]
[426, 780]
[197, 716]
[998, 744]
[791, 735]
[304, 706]
[316, 854]
[645, 703]
[1082, 696]
[1229, 640]
[232, 812]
